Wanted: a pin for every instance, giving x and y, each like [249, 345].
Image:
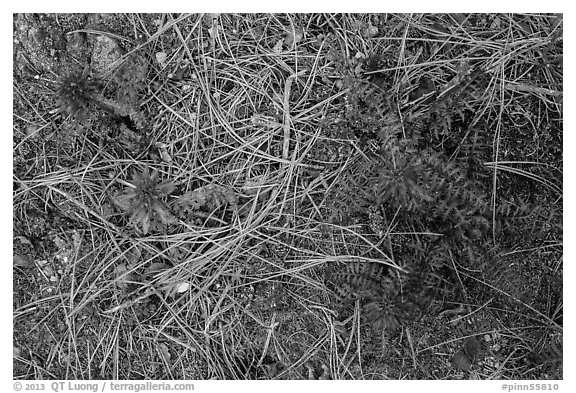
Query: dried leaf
[340, 329]
[278, 47]
[293, 36]
[48, 271]
[369, 31]
[66, 359]
[164, 352]
[161, 58]
[496, 24]
[31, 131]
[319, 39]
[23, 261]
[123, 279]
[213, 31]
[171, 289]
[23, 239]
[325, 373]
[165, 156]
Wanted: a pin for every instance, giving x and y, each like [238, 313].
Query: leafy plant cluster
[199, 206]
[416, 186]
[145, 202]
[382, 303]
[416, 176]
[388, 298]
[81, 94]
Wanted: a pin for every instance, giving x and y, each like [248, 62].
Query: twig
[287, 119]
[150, 291]
[273, 324]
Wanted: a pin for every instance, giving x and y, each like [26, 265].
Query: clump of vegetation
[78, 95]
[291, 196]
[76, 92]
[144, 199]
[414, 177]
[199, 206]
